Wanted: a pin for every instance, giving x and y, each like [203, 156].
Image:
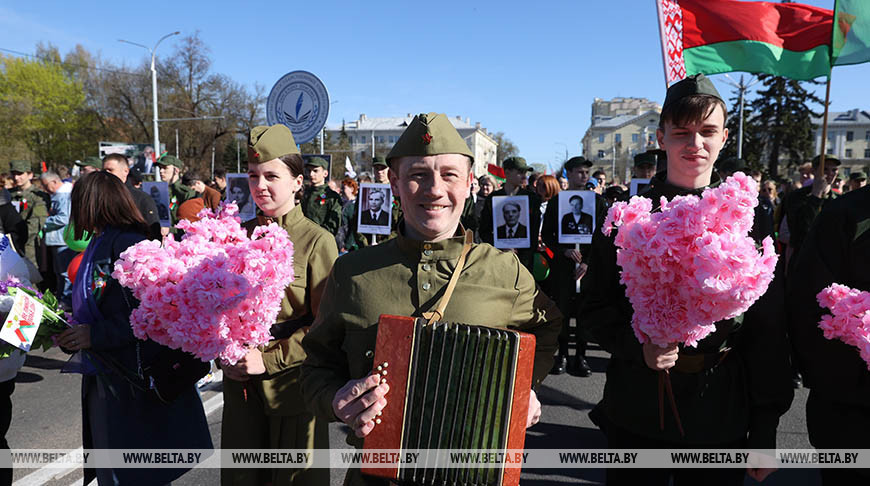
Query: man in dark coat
[375, 214]
[116, 165]
[512, 228]
[836, 250]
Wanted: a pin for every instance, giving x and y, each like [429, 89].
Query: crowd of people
[731, 389]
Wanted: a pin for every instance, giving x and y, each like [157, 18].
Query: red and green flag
[497, 172]
[720, 36]
[851, 37]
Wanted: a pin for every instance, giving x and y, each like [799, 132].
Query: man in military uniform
[836, 250]
[857, 180]
[570, 265]
[320, 203]
[515, 170]
[732, 388]
[360, 240]
[726, 168]
[644, 165]
[430, 169]
[170, 172]
[32, 206]
[801, 206]
[90, 164]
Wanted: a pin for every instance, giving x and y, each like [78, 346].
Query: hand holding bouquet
[849, 320]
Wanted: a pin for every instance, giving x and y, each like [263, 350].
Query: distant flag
[851, 33]
[496, 171]
[43, 166]
[564, 172]
[711, 37]
[349, 170]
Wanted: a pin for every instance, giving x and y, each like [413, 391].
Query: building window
[600, 154]
[635, 137]
[849, 152]
[867, 135]
[867, 153]
[601, 138]
[850, 136]
[830, 151]
[362, 139]
[617, 137]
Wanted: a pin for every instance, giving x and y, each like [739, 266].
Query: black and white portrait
[159, 192]
[375, 209]
[239, 191]
[511, 217]
[576, 217]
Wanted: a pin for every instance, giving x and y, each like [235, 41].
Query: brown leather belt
[696, 363]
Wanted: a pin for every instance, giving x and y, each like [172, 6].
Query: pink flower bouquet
[690, 264]
[850, 321]
[216, 292]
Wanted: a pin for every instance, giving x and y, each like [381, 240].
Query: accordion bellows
[452, 386]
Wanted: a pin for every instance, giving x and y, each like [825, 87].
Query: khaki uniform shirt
[33, 208]
[408, 277]
[314, 252]
[323, 206]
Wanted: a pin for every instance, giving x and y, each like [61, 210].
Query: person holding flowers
[726, 377]
[263, 405]
[115, 413]
[836, 251]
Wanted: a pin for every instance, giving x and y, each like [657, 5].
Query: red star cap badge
[427, 138]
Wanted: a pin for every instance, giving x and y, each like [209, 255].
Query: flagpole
[821, 172]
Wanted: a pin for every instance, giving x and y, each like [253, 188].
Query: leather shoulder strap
[438, 313]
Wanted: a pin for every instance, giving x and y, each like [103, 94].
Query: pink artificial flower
[690, 263]
[849, 320]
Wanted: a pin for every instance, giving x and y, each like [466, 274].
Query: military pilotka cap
[691, 86]
[379, 160]
[857, 176]
[645, 158]
[170, 160]
[91, 161]
[516, 163]
[268, 143]
[732, 165]
[578, 161]
[318, 162]
[429, 134]
[20, 166]
[830, 161]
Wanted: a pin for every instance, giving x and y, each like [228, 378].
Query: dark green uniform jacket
[178, 193]
[801, 209]
[33, 208]
[837, 250]
[486, 227]
[323, 206]
[408, 277]
[745, 393]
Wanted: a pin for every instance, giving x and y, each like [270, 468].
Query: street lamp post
[153, 85]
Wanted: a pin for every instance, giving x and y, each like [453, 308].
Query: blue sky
[528, 69]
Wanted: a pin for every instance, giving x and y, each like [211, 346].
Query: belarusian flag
[851, 42]
[720, 36]
[497, 172]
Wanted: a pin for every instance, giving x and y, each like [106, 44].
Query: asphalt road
[47, 414]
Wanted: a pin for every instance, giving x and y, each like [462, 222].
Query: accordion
[452, 386]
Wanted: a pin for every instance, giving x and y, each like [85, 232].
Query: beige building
[848, 139]
[378, 135]
[621, 128]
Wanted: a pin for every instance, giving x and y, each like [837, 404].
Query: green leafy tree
[505, 147]
[783, 118]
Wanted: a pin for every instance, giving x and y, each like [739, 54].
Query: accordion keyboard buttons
[426, 285]
[427, 252]
[426, 267]
[370, 354]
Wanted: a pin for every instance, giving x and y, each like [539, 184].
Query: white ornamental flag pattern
[671, 18]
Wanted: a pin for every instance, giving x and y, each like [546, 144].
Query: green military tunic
[33, 208]
[744, 394]
[274, 415]
[323, 206]
[801, 209]
[407, 277]
[837, 250]
[178, 193]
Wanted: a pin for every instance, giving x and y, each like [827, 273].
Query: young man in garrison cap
[320, 203]
[32, 207]
[729, 391]
[381, 176]
[430, 169]
[569, 265]
[644, 165]
[90, 164]
[170, 172]
[836, 250]
[515, 172]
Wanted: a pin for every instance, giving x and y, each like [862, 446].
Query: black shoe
[579, 367]
[558, 365]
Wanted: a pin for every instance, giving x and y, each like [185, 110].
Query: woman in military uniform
[263, 406]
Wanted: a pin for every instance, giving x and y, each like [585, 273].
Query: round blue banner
[300, 101]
